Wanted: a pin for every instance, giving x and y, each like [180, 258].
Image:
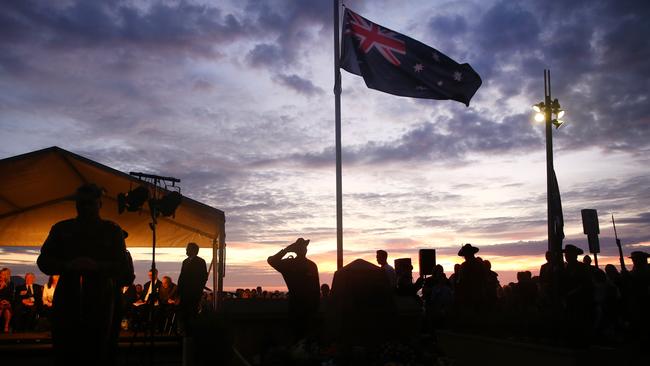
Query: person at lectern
[89, 254]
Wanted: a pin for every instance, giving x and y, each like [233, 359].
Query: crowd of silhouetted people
[570, 302]
[574, 303]
[370, 315]
[256, 293]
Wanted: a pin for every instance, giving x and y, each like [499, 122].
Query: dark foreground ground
[252, 324]
[461, 349]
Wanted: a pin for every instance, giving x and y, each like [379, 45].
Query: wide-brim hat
[572, 249]
[639, 254]
[467, 249]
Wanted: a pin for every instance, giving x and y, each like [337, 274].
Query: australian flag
[399, 65]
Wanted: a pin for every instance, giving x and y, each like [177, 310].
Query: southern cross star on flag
[394, 63]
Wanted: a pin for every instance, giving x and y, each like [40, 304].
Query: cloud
[266, 55]
[452, 25]
[208, 92]
[176, 26]
[517, 26]
[591, 51]
[643, 218]
[299, 85]
[443, 141]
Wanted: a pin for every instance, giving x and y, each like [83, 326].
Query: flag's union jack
[372, 35]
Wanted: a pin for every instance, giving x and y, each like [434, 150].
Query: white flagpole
[337, 108]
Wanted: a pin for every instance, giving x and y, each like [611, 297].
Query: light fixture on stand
[163, 197]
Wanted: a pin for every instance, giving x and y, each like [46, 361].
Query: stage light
[539, 117]
[560, 114]
[132, 201]
[168, 204]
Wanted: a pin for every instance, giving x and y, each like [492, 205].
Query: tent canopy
[35, 190]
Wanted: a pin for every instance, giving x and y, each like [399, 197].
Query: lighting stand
[157, 207]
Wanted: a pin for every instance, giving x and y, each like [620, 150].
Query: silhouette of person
[29, 301]
[7, 294]
[491, 285]
[325, 290]
[438, 299]
[301, 276]
[89, 254]
[382, 260]
[640, 263]
[191, 281]
[453, 278]
[525, 291]
[546, 276]
[151, 288]
[593, 271]
[471, 280]
[577, 295]
[405, 285]
[638, 288]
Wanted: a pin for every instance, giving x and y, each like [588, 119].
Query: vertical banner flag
[394, 63]
[556, 213]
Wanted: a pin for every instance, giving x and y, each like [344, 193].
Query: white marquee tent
[35, 192]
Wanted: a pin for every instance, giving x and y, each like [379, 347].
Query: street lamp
[550, 112]
[556, 110]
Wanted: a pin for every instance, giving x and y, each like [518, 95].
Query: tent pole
[219, 252]
[222, 261]
[215, 272]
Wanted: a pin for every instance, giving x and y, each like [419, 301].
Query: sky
[235, 99]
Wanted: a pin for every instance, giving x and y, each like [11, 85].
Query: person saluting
[301, 276]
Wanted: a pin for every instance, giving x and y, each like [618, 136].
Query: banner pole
[337, 109]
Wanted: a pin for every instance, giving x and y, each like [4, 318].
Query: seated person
[167, 292]
[6, 298]
[138, 293]
[167, 298]
[48, 295]
[144, 311]
[28, 301]
[135, 314]
[150, 293]
[129, 296]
